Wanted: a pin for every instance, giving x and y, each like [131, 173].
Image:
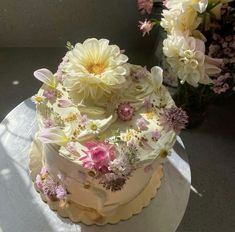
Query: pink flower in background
[141, 123]
[145, 26]
[98, 155]
[83, 120]
[145, 6]
[173, 118]
[125, 111]
[49, 94]
[39, 181]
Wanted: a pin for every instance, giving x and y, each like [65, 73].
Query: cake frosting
[105, 126]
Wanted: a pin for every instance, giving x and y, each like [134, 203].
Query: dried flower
[173, 118]
[145, 6]
[112, 181]
[125, 111]
[98, 155]
[156, 135]
[60, 192]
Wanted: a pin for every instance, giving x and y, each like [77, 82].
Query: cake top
[106, 115]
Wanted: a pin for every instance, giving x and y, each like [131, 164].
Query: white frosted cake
[105, 126]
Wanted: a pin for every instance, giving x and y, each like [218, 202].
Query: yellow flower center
[96, 68]
[38, 99]
[93, 126]
[70, 118]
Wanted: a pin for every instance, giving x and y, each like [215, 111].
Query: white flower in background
[176, 20]
[186, 55]
[94, 68]
[199, 5]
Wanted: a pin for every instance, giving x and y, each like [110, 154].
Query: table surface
[25, 211]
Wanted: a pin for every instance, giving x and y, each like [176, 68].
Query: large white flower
[199, 5]
[177, 20]
[94, 68]
[186, 55]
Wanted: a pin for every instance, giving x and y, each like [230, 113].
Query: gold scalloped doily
[88, 216]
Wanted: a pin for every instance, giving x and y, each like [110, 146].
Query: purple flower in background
[49, 188]
[145, 6]
[64, 103]
[39, 181]
[173, 118]
[83, 120]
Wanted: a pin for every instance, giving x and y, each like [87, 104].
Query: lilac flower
[49, 94]
[147, 103]
[141, 123]
[49, 188]
[145, 6]
[60, 192]
[173, 118]
[83, 120]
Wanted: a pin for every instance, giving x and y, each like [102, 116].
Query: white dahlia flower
[186, 56]
[94, 68]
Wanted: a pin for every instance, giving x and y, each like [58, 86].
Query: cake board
[25, 211]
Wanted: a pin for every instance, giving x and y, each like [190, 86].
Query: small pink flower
[48, 123]
[98, 155]
[64, 103]
[83, 120]
[39, 182]
[145, 26]
[71, 147]
[44, 171]
[125, 111]
[49, 94]
[156, 135]
[148, 168]
[147, 103]
[145, 6]
[141, 123]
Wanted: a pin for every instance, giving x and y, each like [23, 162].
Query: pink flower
[47, 122]
[125, 111]
[39, 181]
[145, 26]
[148, 168]
[141, 123]
[156, 135]
[71, 147]
[173, 118]
[49, 94]
[145, 6]
[98, 155]
[83, 120]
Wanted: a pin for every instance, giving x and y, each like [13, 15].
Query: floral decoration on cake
[104, 114]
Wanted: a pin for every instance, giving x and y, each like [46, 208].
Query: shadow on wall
[72, 20]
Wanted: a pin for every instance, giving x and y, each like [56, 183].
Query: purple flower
[142, 123]
[173, 118]
[156, 135]
[146, 26]
[125, 111]
[49, 94]
[147, 103]
[83, 120]
[39, 181]
[60, 192]
[49, 188]
[64, 103]
[71, 147]
[47, 122]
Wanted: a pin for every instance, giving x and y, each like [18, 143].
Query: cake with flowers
[105, 127]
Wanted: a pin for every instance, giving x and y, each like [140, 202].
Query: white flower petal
[45, 76]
